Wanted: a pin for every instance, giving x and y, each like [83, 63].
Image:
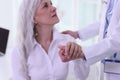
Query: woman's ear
[35, 21]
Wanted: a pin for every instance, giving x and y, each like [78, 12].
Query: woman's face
[46, 13]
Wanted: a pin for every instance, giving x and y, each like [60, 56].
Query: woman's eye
[51, 3]
[46, 5]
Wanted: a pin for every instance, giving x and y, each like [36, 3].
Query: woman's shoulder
[68, 37]
[63, 36]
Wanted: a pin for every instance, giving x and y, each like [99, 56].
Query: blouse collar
[56, 36]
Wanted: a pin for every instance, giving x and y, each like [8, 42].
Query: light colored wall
[6, 13]
[6, 21]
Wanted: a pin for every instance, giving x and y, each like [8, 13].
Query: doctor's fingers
[77, 52]
[67, 48]
[80, 54]
[67, 32]
[72, 33]
[72, 49]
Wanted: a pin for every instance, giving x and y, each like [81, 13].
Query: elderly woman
[37, 56]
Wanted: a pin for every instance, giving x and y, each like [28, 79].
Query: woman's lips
[54, 15]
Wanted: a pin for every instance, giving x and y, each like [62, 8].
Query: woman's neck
[45, 36]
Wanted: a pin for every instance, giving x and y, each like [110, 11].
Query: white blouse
[48, 66]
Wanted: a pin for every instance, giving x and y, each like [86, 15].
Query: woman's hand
[70, 52]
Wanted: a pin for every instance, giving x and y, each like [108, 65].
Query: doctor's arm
[80, 69]
[89, 31]
[109, 45]
[85, 33]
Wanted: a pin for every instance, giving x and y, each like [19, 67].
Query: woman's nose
[53, 8]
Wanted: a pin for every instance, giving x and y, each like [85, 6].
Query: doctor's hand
[72, 33]
[70, 52]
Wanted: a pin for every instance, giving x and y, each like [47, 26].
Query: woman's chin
[57, 21]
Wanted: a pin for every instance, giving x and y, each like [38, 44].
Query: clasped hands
[70, 51]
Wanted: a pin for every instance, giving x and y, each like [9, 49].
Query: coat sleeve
[89, 31]
[18, 68]
[109, 45]
[80, 69]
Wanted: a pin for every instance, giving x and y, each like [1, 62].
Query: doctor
[108, 47]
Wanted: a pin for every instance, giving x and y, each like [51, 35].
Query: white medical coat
[107, 46]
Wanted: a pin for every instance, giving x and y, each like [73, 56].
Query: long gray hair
[25, 32]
